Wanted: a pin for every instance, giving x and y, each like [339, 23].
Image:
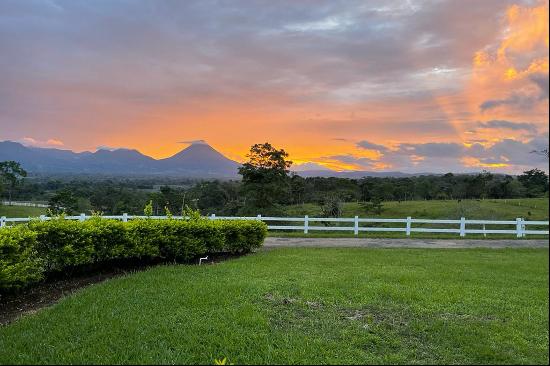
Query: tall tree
[12, 174]
[265, 181]
[536, 182]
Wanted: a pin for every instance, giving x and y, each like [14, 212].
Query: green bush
[109, 239]
[20, 263]
[27, 251]
[63, 243]
[243, 236]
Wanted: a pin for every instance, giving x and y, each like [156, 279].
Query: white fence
[518, 227]
[25, 204]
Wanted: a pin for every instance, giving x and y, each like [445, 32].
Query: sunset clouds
[382, 85]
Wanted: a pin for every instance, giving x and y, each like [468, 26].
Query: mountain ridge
[198, 160]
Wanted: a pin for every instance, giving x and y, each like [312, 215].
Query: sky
[399, 85]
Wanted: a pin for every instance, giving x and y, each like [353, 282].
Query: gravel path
[271, 243]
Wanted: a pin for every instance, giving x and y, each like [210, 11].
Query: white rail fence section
[25, 204]
[518, 227]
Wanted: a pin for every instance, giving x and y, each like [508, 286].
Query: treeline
[267, 187]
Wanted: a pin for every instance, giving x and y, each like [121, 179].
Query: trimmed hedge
[27, 252]
[20, 263]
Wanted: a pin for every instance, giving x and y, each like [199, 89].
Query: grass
[490, 209]
[21, 211]
[509, 209]
[304, 306]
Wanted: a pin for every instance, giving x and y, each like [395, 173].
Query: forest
[267, 186]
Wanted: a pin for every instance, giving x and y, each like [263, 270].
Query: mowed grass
[304, 306]
[21, 211]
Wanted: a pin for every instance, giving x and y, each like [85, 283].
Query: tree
[63, 201]
[374, 206]
[332, 207]
[11, 173]
[265, 181]
[535, 181]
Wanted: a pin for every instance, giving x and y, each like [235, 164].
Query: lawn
[305, 306]
[21, 211]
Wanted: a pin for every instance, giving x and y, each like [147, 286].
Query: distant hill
[198, 160]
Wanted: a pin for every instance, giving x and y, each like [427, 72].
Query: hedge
[28, 252]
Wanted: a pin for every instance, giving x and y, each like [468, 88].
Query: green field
[510, 209]
[21, 211]
[304, 306]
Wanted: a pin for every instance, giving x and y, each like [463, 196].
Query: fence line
[25, 204]
[519, 227]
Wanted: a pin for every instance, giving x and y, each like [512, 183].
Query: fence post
[42, 217]
[213, 217]
[259, 217]
[409, 222]
[306, 224]
[519, 232]
[2, 221]
[356, 225]
[462, 227]
[125, 217]
[82, 217]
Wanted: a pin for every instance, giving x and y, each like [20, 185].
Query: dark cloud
[445, 157]
[496, 124]
[371, 146]
[541, 80]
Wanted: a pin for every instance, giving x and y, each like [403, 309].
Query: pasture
[488, 209]
[304, 306]
[21, 211]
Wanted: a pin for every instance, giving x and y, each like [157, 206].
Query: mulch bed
[57, 286]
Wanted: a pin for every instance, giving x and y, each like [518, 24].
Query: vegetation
[304, 306]
[489, 209]
[265, 179]
[11, 174]
[21, 211]
[29, 251]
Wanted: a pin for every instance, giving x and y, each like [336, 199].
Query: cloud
[111, 148]
[496, 124]
[371, 146]
[29, 141]
[192, 142]
[138, 73]
[310, 166]
[541, 80]
[506, 155]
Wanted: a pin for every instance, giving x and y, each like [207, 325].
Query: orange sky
[405, 86]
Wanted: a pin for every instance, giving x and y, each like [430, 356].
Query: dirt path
[272, 242]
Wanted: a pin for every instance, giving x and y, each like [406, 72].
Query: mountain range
[198, 160]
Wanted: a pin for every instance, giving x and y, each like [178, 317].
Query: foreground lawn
[304, 306]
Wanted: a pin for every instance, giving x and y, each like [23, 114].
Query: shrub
[109, 239]
[243, 236]
[20, 263]
[27, 251]
[63, 243]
